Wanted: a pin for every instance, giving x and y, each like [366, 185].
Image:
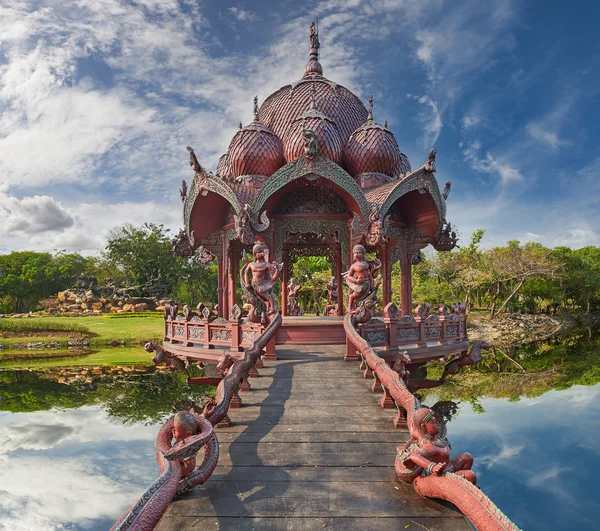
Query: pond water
[75, 451]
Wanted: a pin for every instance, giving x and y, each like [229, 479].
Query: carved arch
[203, 184]
[317, 167]
[418, 180]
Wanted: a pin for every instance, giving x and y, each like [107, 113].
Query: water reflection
[71, 469]
[77, 445]
[538, 458]
[533, 432]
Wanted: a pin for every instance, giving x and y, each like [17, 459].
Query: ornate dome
[254, 150]
[328, 137]
[285, 106]
[372, 148]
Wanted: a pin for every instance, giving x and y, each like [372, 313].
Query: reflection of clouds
[32, 436]
[502, 457]
[550, 481]
[71, 469]
[537, 458]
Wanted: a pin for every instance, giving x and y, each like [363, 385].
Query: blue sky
[98, 99]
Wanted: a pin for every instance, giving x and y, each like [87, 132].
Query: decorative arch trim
[314, 168]
[418, 180]
[202, 184]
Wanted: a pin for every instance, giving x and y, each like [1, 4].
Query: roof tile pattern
[372, 148]
[286, 105]
[328, 138]
[254, 150]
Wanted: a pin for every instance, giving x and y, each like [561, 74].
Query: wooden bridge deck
[310, 449]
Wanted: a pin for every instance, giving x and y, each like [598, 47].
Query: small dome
[372, 148]
[328, 137]
[223, 166]
[254, 150]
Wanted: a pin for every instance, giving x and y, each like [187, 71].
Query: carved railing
[435, 479]
[205, 330]
[197, 440]
[393, 331]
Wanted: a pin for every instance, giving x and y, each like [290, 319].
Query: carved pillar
[233, 269]
[224, 311]
[405, 278]
[338, 279]
[285, 256]
[220, 282]
[386, 274]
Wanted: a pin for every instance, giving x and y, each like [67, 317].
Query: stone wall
[88, 302]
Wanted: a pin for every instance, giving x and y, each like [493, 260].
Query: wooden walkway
[310, 449]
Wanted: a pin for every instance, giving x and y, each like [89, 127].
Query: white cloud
[495, 166]
[470, 121]
[32, 215]
[545, 137]
[430, 119]
[242, 15]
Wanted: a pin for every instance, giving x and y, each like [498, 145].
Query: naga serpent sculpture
[425, 460]
[193, 432]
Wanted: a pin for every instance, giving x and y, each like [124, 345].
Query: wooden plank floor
[310, 449]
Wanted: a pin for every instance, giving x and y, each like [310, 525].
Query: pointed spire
[241, 126]
[385, 124]
[370, 117]
[313, 66]
[256, 108]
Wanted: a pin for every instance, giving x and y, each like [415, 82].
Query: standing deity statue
[361, 278]
[375, 233]
[293, 308]
[258, 278]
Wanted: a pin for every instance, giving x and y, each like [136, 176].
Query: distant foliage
[27, 277]
[516, 277]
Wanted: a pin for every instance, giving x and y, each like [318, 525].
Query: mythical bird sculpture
[446, 191]
[471, 358]
[430, 165]
[182, 244]
[183, 191]
[195, 165]
[375, 232]
[162, 356]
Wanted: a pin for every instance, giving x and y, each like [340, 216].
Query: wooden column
[232, 271]
[285, 274]
[385, 273]
[406, 279]
[224, 311]
[220, 283]
[338, 279]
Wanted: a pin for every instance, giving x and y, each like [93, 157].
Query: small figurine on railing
[361, 278]
[426, 454]
[258, 289]
[293, 307]
[332, 295]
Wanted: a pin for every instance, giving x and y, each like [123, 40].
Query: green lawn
[113, 340]
[105, 356]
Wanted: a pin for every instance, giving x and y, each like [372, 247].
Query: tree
[511, 266]
[142, 253]
[27, 277]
